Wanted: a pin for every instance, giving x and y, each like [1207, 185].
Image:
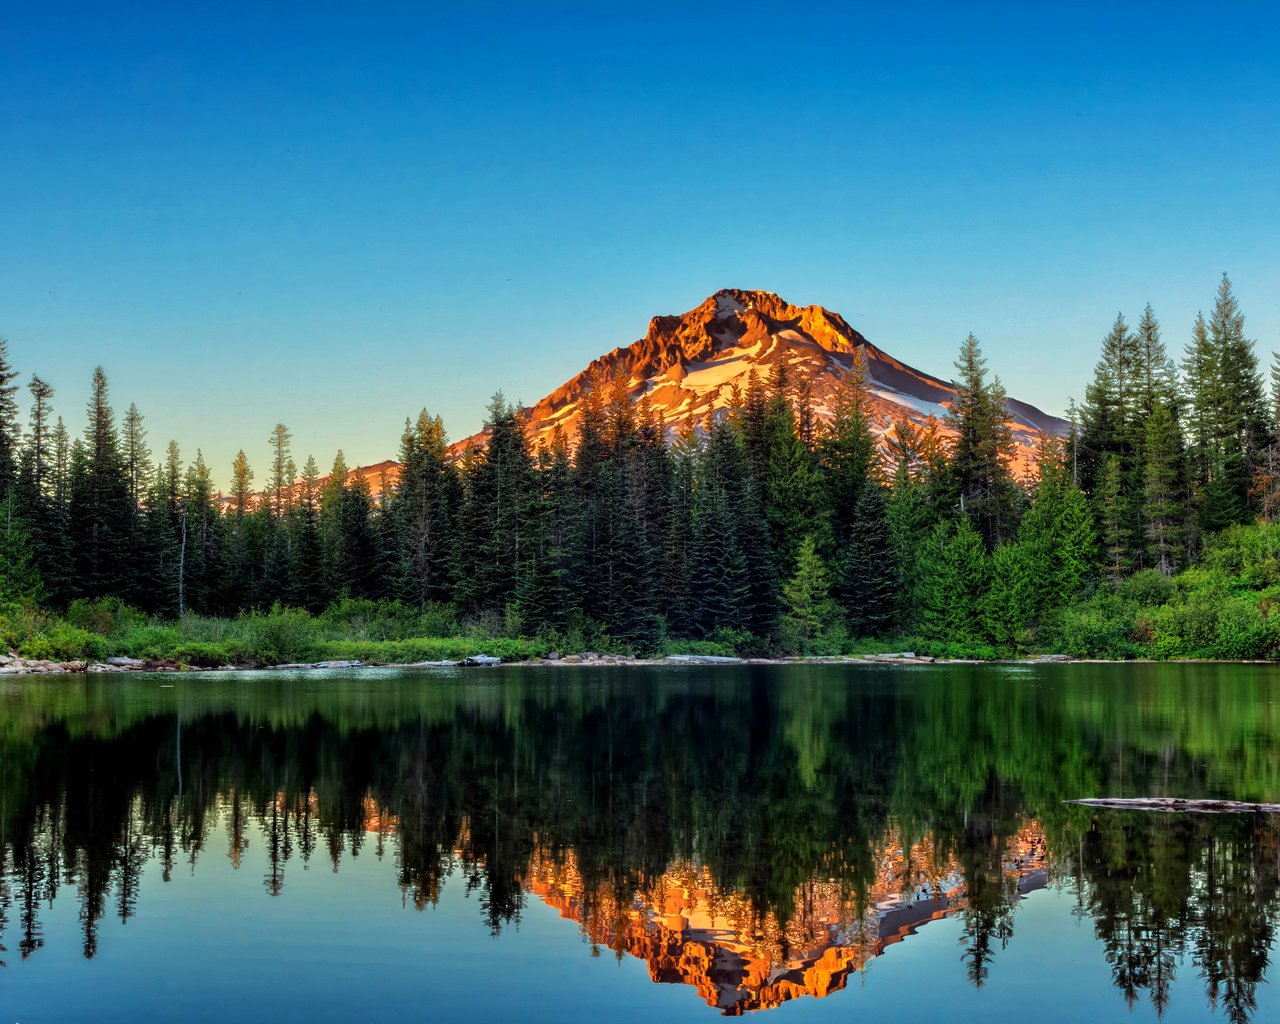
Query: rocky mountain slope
[688, 365]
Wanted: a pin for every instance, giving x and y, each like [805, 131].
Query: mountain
[688, 365]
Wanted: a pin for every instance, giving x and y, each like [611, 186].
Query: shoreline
[13, 665]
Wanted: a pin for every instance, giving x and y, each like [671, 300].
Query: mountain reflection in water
[758, 834]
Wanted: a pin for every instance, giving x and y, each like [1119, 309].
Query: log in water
[1174, 804]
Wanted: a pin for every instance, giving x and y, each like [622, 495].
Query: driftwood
[1178, 805]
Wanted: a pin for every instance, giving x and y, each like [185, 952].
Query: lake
[631, 844]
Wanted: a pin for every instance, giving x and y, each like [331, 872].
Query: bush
[62, 641]
[1146, 589]
[151, 641]
[105, 616]
[282, 635]
[1096, 631]
[19, 623]
[1241, 631]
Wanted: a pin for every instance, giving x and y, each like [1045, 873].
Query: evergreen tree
[137, 456]
[847, 452]
[35, 492]
[953, 582]
[718, 580]
[1226, 413]
[281, 482]
[808, 611]
[1013, 598]
[1112, 514]
[199, 541]
[421, 513]
[9, 431]
[1162, 511]
[869, 582]
[550, 601]
[100, 514]
[983, 448]
[19, 575]
[494, 525]
[242, 547]
[308, 584]
[794, 495]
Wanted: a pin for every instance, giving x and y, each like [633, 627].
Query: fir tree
[1162, 512]
[869, 583]
[281, 481]
[983, 447]
[953, 583]
[137, 456]
[808, 611]
[494, 526]
[20, 580]
[421, 513]
[1013, 598]
[1112, 514]
[100, 516]
[9, 431]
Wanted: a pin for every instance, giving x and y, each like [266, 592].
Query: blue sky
[333, 217]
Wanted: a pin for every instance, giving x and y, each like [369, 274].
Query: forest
[766, 530]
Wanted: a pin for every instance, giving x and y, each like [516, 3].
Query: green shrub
[19, 623]
[1095, 630]
[700, 648]
[282, 635]
[151, 641]
[210, 654]
[62, 641]
[1241, 631]
[105, 616]
[1146, 589]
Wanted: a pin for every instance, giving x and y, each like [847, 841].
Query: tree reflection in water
[757, 833]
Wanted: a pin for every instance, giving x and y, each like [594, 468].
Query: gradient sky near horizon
[332, 215]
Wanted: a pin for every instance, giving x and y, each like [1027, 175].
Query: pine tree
[100, 514]
[1112, 514]
[281, 482]
[1226, 414]
[808, 611]
[1058, 535]
[9, 431]
[869, 582]
[137, 456]
[20, 580]
[847, 452]
[1013, 598]
[308, 589]
[909, 519]
[421, 513]
[550, 602]
[794, 495]
[718, 574]
[953, 585]
[494, 524]
[1162, 511]
[199, 541]
[983, 448]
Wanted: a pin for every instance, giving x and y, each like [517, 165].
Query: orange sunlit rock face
[691, 932]
[691, 365]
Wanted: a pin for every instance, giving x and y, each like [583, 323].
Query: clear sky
[336, 214]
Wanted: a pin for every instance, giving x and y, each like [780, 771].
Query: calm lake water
[638, 844]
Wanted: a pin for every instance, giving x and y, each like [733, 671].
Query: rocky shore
[16, 665]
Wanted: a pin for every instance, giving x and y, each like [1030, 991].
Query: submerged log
[1177, 805]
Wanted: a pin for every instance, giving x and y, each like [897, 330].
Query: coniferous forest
[1147, 532]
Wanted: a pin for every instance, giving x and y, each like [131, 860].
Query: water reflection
[757, 834]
